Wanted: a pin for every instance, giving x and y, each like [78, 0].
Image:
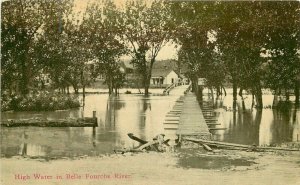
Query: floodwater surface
[252, 126]
[142, 116]
[117, 116]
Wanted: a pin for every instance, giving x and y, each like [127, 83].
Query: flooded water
[143, 116]
[251, 126]
[193, 158]
[117, 116]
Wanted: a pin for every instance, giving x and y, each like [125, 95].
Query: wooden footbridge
[187, 118]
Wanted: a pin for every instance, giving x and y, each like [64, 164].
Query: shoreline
[268, 168]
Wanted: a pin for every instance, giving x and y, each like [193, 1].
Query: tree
[20, 23]
[283, 35]
[145, 29]
[195, 32]
[101, 29]
[23, 26]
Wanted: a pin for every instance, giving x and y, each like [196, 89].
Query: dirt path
[152, 168]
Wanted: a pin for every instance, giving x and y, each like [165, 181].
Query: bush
[39, 101]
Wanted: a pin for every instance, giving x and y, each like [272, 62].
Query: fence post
[95, 118]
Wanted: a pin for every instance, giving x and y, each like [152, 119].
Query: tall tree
[283, 33]
[195, 32]
[20, 23]
[145, 29]
[23, 24]
[101, 28]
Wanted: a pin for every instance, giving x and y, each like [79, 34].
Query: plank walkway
[191, 120]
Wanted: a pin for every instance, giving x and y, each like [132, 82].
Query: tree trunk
[234, 93]
[116, 90]
[241, 92]
[24, 79]
[243, 102]
[287, 95]
[258, 96]
[146, 86]
[253, 102]
[297, 93]
[110, 85]
[200, 93]
[75, 87]
[225, 93]
[212, 93]
[275, 99]
[83, 92]
[148, 77]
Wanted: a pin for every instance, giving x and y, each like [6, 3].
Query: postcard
[163, 92]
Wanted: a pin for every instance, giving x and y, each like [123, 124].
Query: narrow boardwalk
[191, 120]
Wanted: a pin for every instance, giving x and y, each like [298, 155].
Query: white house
[163, 77]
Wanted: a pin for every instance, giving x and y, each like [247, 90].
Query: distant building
[164, 77]
[164, 73]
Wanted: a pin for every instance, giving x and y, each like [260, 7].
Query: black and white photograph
[150, 92]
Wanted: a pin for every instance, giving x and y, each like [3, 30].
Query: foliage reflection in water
[118, 116]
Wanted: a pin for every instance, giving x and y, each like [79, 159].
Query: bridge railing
[169, 88]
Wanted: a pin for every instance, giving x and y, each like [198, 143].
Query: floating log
[80, 122]
[224, 144]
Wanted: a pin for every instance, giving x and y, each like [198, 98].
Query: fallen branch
[131, 136]
[122, 151]
[206, 147]
[224, 144]
[148, 144]
[158, 144]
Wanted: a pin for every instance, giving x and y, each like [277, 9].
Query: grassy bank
[39, 101]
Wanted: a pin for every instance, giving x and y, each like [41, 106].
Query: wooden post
[95, 118]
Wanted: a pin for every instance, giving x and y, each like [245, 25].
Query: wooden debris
[37, 122]
[158, 144]
[206, 147]
[131, 136]
[237, 146]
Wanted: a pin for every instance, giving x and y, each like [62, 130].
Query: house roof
[169, 64]
[161, 68]
[160, 72]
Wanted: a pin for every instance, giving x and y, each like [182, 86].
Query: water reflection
[252, 126]
[117, 116]
[143, 116]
